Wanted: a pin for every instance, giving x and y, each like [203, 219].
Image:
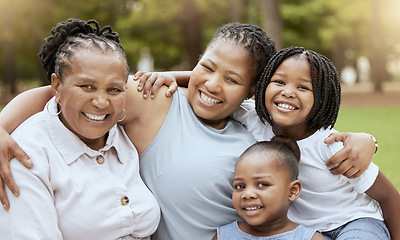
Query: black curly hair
[325, 83]
[69, 36]
[284, 148]
[255, 40]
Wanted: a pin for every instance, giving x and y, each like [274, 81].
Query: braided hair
[325, 83]
[260, 47]
[284, 148]
[69, 36]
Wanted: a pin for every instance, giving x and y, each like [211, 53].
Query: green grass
[384, 124]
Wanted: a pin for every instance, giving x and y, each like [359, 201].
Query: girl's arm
[150, 82]
[388, 198]
[355, 156]
[14, 113]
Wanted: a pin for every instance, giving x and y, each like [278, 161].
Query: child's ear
[295, 190]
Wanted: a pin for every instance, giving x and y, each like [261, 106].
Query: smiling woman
[76, 147]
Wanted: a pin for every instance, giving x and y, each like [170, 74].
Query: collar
[71, 147]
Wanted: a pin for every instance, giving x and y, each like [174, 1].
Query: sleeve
[366, 180]
[32, 215]
[243, 113]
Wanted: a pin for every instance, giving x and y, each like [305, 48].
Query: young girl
[264, 186]
[299, 97]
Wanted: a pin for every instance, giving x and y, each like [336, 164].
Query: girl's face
[289, 96]
[92, 94]
[219, 83]
[261, 191]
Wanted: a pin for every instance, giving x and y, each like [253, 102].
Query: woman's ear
[295, 190]
[55, 86]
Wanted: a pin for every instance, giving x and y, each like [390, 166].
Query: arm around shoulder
[385, 193]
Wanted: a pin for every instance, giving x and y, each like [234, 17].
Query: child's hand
[150, 83]
[8, 150]
[356, 155]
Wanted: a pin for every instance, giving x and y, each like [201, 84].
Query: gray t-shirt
[189, 167]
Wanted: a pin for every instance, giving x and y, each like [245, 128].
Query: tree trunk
[271, 21]
[192, 31]
[378, 56]
[236, 10]
[9, 54]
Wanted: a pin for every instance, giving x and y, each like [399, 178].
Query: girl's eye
[262, 184]
[277, 81]
[231, 80]
[239, 186]
[304, 87]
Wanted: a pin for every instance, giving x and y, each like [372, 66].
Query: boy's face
[289, 96]
[261, 189]
[219, 83]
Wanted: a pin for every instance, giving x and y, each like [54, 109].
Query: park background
[361, 37]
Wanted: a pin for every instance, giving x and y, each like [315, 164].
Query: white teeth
[208, 99]
[252, 208]
[287, 106]
[95, 117]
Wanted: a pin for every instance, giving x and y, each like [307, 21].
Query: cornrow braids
[284, 148]
[260, 46]
[325, 83]
[66, 37]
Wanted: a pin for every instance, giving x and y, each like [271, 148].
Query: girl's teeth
[282, 105]
[95, 117]
[252, 208]
[208, 99]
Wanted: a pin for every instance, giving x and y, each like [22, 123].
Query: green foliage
[383, 124]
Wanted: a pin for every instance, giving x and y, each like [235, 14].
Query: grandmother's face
[92, 94]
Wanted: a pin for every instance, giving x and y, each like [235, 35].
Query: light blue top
[189, 167]
[233, 232]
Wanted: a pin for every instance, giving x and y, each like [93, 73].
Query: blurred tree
[271, 20]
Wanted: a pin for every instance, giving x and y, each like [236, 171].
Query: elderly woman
[85, 183]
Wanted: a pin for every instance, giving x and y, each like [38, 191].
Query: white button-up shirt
[74, 192]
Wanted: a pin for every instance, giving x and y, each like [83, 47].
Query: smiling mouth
[286, 106]
[208, 99]
[95, 117]
[252, 208]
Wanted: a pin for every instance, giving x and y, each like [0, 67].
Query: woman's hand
[150, 83]
[356, 155]
[8, 150]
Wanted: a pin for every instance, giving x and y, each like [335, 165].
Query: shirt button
[124, 200]
[100, 159]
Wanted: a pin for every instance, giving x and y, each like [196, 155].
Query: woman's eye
[114, 90]
[207, 68]
[87, 87]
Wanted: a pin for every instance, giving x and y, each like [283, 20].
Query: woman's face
[219, 83]
[92, 94]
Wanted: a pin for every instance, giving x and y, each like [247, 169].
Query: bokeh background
[361, 37]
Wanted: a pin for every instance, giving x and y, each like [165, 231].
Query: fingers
[338, 158]
[335, 137]
[3, 196]
[171, 89]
